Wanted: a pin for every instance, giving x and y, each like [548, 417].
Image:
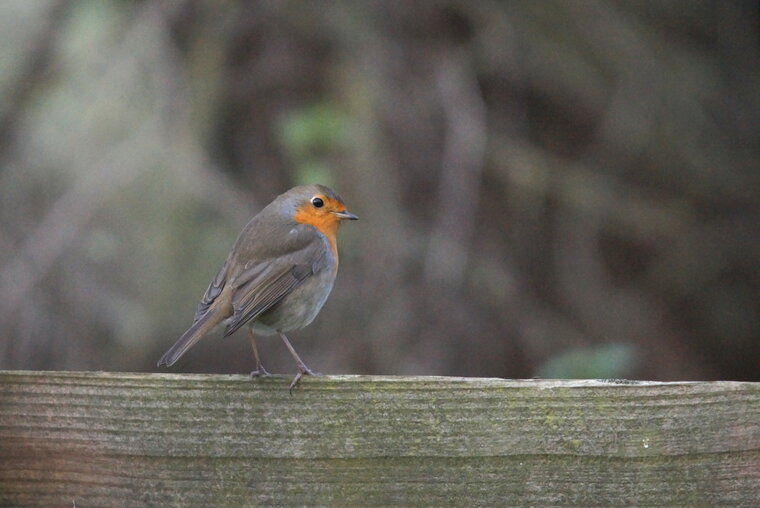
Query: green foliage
[595, 362]
[319, 126]
[308, 137]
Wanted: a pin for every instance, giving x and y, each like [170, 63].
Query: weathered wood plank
[116, 439]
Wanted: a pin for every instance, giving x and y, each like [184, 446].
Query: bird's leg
[303, 370]
[260, 370]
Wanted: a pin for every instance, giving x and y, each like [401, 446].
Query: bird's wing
[266, 281]
[213, 290]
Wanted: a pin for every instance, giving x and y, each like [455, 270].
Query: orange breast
[327, 223]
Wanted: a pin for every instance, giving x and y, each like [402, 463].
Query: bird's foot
[303, 370]
[306, 371]
[260, 372]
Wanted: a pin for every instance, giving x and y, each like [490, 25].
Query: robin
[277, 276]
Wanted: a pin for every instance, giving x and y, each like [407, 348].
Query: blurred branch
[66, 218]
[37, 69]
[114, 168]
[183, 137]
[461, 168]
[534, 173]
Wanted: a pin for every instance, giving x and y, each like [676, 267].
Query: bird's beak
[346, 215]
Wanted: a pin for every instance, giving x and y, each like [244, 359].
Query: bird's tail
[193, 334]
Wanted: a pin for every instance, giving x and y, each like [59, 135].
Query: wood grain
[119, 439]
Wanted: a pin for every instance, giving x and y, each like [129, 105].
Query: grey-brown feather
[214, 289]
[265, 282]
[262, 295]
[259, 277]
[265, 273]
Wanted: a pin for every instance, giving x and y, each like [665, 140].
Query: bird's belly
[299, 308]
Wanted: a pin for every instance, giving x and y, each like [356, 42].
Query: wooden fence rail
[117, 439]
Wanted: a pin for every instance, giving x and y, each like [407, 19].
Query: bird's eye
[317, 202]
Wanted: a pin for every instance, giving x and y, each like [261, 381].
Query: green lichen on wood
[116, 439]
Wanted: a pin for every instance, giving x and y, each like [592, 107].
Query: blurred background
[547, 189]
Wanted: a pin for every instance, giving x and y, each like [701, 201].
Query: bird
[277, 275]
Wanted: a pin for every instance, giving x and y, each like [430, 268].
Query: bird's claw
[303, 370]
[295, 381]
[260, 372]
